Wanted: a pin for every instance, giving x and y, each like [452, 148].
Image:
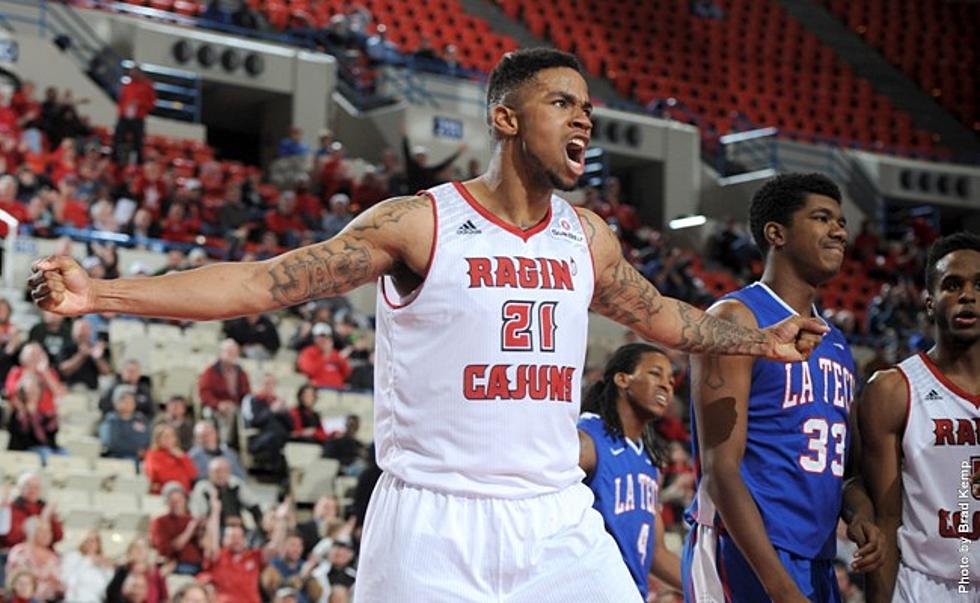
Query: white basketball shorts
[421, 546]
[913, 586]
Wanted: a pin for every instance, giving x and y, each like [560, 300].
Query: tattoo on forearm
[703, 333]
[322, 271]
[338, 265]
[628, 298]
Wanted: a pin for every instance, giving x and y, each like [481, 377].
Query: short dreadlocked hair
[780, 197]
[945, 246]
[602, 395]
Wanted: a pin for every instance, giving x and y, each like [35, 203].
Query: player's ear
[930, 309]
[503, 120]
[775, 234]
[622, 380]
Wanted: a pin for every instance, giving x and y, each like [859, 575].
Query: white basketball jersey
[940, 511]
[478, 371]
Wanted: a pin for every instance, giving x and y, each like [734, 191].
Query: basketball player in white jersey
[919, 425]
[484, 292]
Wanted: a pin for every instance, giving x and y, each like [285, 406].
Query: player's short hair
[517, 68]
[780, 197]
[945, 246]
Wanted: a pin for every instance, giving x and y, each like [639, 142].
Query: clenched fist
[58, 284]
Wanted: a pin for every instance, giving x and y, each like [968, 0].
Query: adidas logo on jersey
[934, 395]
[468, 227]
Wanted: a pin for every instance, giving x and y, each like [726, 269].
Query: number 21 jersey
[478, 371]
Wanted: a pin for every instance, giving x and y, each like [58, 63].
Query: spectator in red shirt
[222, 386]
[232, 567]
[307, 425]
[33, 359]
[321, 362]
[176, 536]
[9, 202]
[283, 219]
[165, 461]
[28, 504]
[136, 99]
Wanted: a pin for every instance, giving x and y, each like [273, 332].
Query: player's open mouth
[661, 399]
[965, 318]
[575, 154]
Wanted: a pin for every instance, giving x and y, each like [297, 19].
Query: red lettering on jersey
[472, 391]
[479, 272]
[527, 273]
[944, 432]
[545, 274]
[965, 433]
[951, 525]
[506, 273]
[561, 273]
[529, 382]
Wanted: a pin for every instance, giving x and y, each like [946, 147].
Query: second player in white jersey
[940, 511]
[479, 371]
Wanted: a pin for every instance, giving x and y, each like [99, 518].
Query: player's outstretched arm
[881, 419]
[720, 388]
[372, 244]
[624, 295]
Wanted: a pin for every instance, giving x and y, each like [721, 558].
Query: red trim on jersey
[486, 213]
[428, 266]
[972, 399]
[908, 401]
[595, 278]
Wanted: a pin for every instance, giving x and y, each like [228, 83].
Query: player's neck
[957, 359]
[632, 423]
[511, 192]
[797, 292]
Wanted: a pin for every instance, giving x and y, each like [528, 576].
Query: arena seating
[932, 41]
[443, 22]
[658, 49]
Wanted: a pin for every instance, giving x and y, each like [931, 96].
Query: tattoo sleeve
[352, 258]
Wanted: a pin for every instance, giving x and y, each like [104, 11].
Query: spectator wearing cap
[132, 376]
[338, 217]
[165, 461]
[207, 447]
[256, 334]
[125, 433]
[136, 99]
[222, 386]
[84, 359]
[175, 414]
[321, 362]
[176, 535]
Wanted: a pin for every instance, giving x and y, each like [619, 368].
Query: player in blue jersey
[772, 437]
[621, 454]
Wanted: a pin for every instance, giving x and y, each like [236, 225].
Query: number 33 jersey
[796, 439]
[478, 371]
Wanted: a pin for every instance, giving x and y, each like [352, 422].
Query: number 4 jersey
[478, 370]
[796, 440]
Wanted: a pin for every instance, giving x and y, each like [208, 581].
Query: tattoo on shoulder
[389, 213]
